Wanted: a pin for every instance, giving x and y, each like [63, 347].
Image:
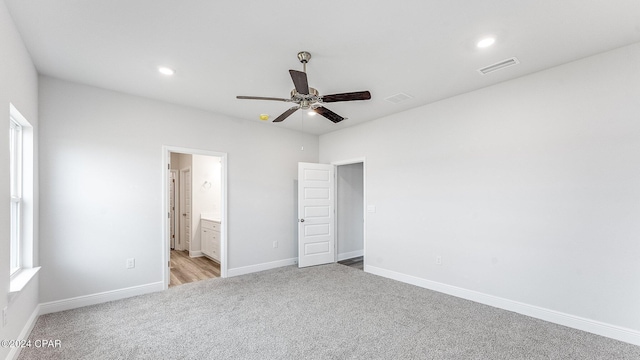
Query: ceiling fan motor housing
[305, 101]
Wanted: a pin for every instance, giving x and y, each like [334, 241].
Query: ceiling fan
[308, 98]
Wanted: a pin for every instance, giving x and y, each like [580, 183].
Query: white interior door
[316, 214]
[172, 207]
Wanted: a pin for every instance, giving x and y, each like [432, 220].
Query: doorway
[195, 227]
[350, 214]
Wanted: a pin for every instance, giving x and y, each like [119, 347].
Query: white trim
[16, 115]
[348, 162]
[24, 334]
[196, 253]
[99, 298]
[557, 317]
[350, 255]
[21, 279]
[261, 267]
[166, 159]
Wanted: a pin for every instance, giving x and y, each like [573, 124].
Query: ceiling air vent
[499, 65]
[398, 98]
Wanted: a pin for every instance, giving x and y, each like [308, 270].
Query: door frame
[165, 241]
[364, 204]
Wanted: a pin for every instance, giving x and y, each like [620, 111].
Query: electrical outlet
[438, 260]
[4, 317]
[131, 263]
[275, 244]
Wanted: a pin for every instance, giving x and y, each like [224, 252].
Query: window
[15, 171]
[21, 173]
[21, 178]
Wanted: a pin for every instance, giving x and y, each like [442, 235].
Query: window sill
[20, 280]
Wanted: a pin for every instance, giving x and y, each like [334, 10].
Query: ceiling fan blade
[261, 98]
[286, 114]
[359, 95]
[328, 114]
[300, 81]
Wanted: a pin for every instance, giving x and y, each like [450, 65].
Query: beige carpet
[323, 312]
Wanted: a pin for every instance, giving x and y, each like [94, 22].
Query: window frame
[16, 179]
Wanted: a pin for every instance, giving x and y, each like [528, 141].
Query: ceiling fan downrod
[304, 57]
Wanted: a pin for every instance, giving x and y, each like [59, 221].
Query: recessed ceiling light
[486, 42]
[165, 70]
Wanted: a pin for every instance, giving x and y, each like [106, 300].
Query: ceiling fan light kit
[308, 98]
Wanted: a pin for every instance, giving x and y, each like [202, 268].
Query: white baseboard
[24, 334]
[572, 321]
[261, 267]
[196, 253]
[86, 300]
[350, 255]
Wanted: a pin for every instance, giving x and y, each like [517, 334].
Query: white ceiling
[221, 49]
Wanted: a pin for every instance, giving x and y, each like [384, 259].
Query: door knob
[301, 220]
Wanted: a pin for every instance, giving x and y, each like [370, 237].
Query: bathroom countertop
[209, 217]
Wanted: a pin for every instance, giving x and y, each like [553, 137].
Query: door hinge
[168, 166]
[169, 263]
[169, 215]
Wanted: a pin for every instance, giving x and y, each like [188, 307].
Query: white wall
[208, 180]
[102, 173]
[350, 208]
[529, 189]
[19, 86]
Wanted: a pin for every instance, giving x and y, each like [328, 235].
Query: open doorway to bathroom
[196, 202]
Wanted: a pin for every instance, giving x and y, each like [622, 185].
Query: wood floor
[357, 262]
[185, 269]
